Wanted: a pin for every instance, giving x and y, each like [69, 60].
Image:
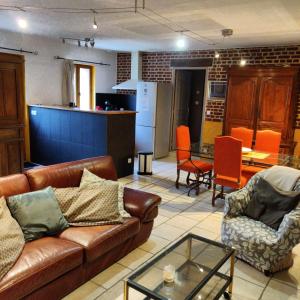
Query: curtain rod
[20, 50]
[84, 61]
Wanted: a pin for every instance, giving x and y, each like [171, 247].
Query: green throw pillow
[38, 214]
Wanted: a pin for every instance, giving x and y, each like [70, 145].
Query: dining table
[250, 157]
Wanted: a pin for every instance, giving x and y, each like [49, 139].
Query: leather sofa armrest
[141, 204]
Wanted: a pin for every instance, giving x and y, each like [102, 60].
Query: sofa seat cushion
[40, 262]
[97, 240]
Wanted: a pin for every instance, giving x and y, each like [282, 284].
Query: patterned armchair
[261, 246]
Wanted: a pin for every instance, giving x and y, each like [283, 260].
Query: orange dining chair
[202, 170]
[227, 165]
[243, 134]
[267, 141]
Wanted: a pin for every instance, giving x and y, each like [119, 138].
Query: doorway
[188, 105]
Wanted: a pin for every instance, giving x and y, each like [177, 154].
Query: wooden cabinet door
[274, 104]
[11, 117]
[240, 102]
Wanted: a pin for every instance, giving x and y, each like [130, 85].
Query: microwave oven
[217, 89]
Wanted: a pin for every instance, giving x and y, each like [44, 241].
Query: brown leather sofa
[52, 267]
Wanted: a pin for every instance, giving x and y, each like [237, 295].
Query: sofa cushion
[88, 179]
[97, 240]
[41, 261]
[91, 205]
[38, 214]
[11, 239]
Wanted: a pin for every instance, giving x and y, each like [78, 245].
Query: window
[84, 86]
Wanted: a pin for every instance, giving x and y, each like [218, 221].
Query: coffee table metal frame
[226, 290]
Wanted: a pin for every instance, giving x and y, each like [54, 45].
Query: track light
[79, 43]
[22, 23]
[92, 43]
[86, 44]
[95, 25]
[243, 62]
[180, 43]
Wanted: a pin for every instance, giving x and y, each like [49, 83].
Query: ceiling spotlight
[22, 23]
[217, 54]
[95, 25]
[243, 62]
[79, 43]
[180, 43]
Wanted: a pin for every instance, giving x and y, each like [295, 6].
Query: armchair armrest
[236, 202]
[289, 228]
[141, 204]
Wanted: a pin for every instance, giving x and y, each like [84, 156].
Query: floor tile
[110, 276]
[292, 275]
[279, 291]
[88, 291]
[168, 211]
[168, 232]
[245, 290]
[154, 244]
[249, 273]
[135, 258]
[160, 220]
[182, 222]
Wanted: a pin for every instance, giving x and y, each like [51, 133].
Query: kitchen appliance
[153, 120]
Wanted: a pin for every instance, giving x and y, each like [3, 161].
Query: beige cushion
[89, 206]
[11, 239]
[88, 178]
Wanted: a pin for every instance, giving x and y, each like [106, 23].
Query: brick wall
[156, 67]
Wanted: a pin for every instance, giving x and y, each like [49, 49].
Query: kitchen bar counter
[61, 134]
[104, 112]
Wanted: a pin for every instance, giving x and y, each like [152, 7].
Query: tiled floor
[179, 214]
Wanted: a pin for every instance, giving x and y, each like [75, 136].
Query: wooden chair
[267, 141]
[185, 163]
[243, 134]
[227, 165]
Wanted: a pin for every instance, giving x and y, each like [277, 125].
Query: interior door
[274, 100]
[196, 105]
[11, 118]
[181, 102]
[240, 107]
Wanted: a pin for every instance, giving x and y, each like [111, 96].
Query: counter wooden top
[75, 109]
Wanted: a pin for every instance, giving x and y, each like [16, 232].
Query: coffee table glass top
[198, 271]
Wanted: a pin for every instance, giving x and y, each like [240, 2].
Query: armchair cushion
[269, 204]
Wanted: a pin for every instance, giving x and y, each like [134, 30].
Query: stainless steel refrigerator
[153, 120]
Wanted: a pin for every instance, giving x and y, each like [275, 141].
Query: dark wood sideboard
[262, 98]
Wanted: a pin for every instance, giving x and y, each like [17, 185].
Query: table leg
[125, 290]
[189, 250]
[232, 258]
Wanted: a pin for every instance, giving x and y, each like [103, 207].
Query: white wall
[44, 73]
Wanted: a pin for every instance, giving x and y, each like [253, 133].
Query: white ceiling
[255, 22]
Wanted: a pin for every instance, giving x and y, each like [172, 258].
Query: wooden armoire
[262, 98]
[11, 113]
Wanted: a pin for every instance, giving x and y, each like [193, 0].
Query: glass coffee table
[192, 268]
